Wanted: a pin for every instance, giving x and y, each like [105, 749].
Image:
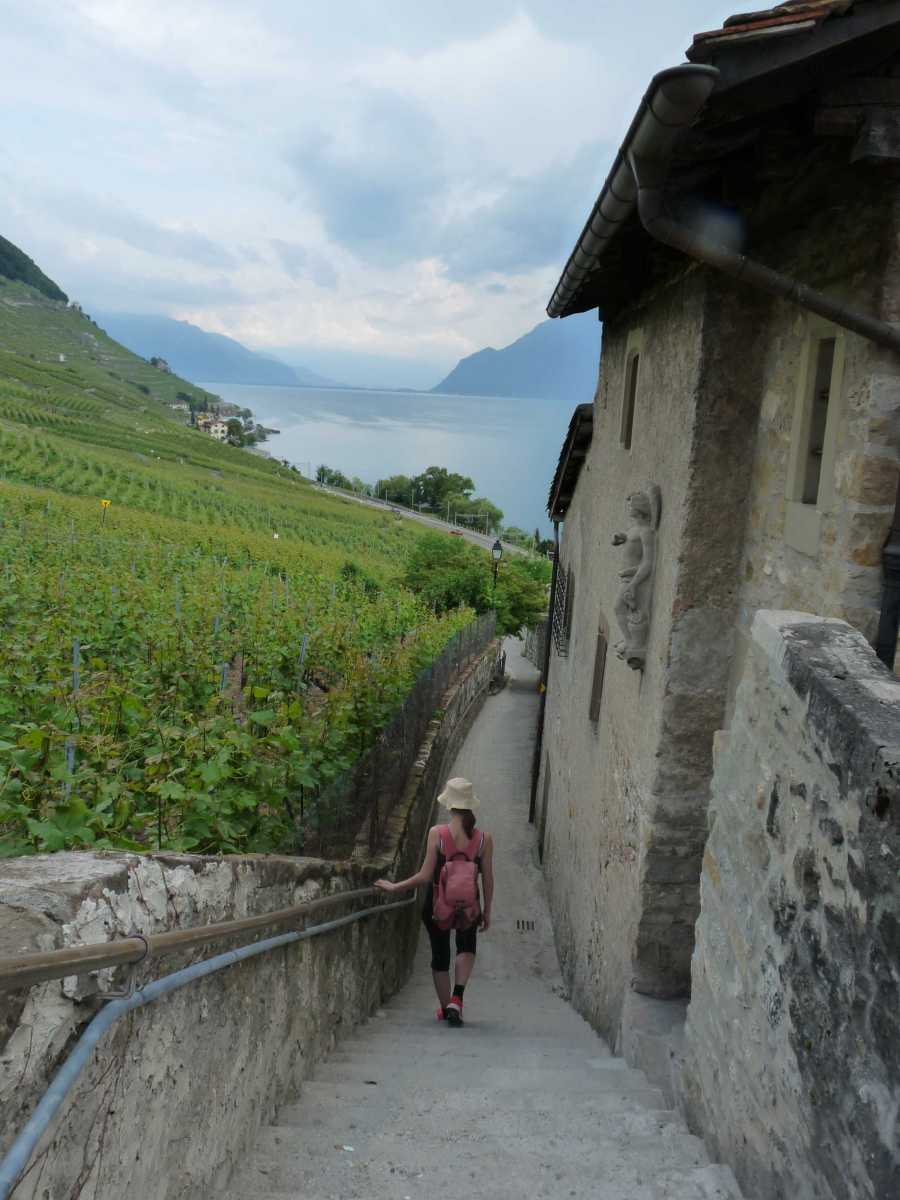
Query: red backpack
[456, 901]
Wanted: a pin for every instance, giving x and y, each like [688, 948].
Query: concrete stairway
[523, 1102]
[530, 1104]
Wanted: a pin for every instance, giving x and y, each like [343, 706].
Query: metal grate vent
[525, 926]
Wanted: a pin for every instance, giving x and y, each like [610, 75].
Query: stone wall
[626, 795]
[852, 252]
[176, 1091]
[792, 1069]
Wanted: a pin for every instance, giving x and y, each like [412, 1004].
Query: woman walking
[451, 853]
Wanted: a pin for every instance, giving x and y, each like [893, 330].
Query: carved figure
[632, 606]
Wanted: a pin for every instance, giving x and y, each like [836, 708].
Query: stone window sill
[802, 527]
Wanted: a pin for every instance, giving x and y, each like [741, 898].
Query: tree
[235, 432]
[520, 599]
[397, 489]
[436, 485]
[333, 478]
[446, 573]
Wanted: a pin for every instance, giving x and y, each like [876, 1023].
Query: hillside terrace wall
[176, 1091]
[792, 1069]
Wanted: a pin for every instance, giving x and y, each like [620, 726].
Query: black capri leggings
[440, 940]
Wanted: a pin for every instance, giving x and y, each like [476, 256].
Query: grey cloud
[378, 197]
[383, 199]
[533, 223]
[103, 218]
[300, 262]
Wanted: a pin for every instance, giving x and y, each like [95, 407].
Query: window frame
[563, 605]
[631, 379]
[599, 675]
[803, 519]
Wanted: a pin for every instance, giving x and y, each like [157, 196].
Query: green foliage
[436, 485]
[333, 478]
[157, 692]
[15, 265]
[396, 489]
[192, 724]
[521, 599]
[446, 573]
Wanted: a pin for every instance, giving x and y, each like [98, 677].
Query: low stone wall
[536, 644]
[792, 1067]
[176, 1092]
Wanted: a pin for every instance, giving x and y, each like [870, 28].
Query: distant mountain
[16, 265]
[557, 360]
[196, 354]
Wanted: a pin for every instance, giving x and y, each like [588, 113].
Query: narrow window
[631, 378]
[818, 421]
[545, 801]
[562, 610]
[599, 672]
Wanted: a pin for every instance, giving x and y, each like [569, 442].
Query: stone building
[740, 456]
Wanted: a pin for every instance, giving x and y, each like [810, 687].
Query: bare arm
[487, 880]
[425, 874]
[648, 545]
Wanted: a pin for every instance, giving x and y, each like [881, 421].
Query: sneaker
[440, 1015]
[454, 1011]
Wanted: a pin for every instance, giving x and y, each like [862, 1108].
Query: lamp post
[496, 555]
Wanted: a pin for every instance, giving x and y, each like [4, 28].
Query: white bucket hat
[459, 793]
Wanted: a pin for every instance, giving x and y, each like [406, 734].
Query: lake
[509, 447]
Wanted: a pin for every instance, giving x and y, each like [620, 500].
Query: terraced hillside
[192, 664]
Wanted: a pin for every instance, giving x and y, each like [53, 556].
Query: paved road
[525, 1100]
[484, 540]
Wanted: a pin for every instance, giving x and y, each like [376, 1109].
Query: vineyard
[195, 664]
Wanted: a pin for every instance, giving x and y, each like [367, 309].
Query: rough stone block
[867, 478]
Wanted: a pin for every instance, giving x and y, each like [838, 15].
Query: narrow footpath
[525, 1100]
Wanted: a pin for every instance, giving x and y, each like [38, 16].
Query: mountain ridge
[195, 353]
[17, 266]
[556, 360]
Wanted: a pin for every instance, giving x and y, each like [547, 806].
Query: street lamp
[496, 555]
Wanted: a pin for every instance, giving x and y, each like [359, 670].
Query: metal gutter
[672, 103]
[660, 116]
[20, 1152]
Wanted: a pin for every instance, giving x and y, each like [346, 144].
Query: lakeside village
[220, 420]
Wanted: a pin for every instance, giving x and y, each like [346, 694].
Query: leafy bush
[446, 573]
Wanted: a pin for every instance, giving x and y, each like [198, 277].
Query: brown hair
[468, 820]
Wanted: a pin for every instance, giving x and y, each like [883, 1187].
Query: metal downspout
[651, 210]
[545, 679]
[20, 1151]
[889, 622]
[648, 151]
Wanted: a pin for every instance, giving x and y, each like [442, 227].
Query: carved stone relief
[635, 595]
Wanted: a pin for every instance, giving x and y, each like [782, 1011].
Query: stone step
[441, 1041]
[423, 1096]
[671, 1148]
[469, 1165]
[562, 1081]
[595, 1116]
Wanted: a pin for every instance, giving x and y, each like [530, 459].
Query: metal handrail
[20, 1152]
[22, 970]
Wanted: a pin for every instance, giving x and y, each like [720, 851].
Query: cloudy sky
[395, 179]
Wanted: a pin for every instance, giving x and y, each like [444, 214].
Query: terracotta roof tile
[798, 17]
